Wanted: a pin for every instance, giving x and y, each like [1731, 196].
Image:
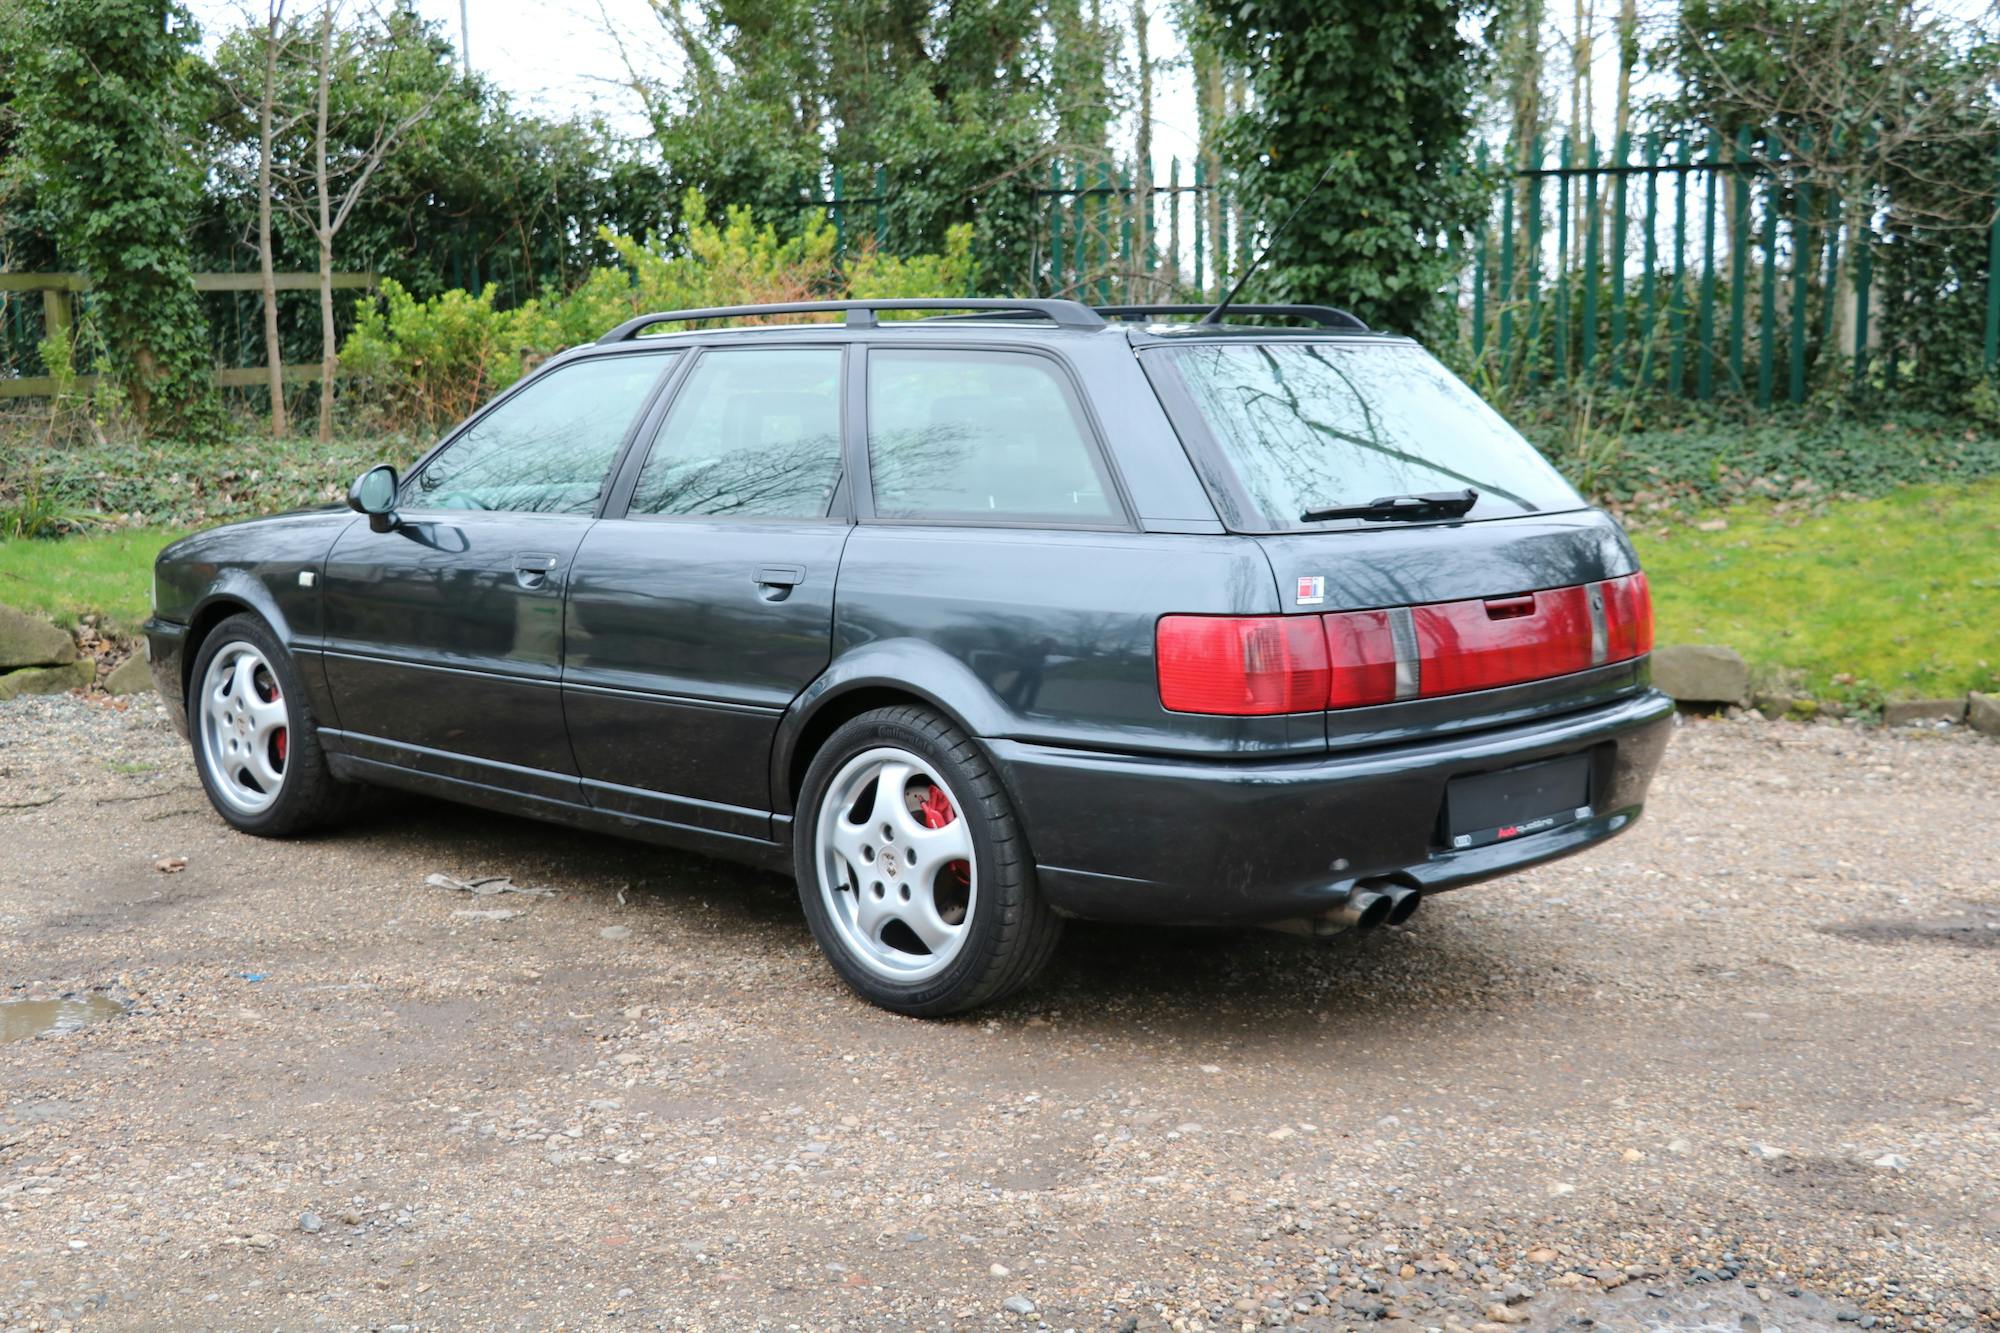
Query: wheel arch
[228, 598]
[883, 675]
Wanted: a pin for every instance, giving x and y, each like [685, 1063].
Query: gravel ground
[1735, 1070]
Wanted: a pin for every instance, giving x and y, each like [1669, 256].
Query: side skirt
[728, 846]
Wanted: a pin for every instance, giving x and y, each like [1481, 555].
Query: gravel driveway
[1735, 1070]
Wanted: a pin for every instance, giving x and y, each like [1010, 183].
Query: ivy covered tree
[1380, 97]
[106, 94]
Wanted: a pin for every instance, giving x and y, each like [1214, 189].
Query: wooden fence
[20, 330]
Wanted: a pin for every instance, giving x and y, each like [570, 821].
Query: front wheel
[256, 742]
[912, 869]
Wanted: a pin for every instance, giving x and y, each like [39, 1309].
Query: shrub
[427, 363]
[433, 361]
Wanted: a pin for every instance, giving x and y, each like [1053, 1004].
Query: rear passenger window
[979, 435]
[755, 432]
[546, 449]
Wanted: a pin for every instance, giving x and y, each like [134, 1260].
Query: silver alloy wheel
[245, 731]
[897, 871]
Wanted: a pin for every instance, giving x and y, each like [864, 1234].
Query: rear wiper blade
[1436, 504]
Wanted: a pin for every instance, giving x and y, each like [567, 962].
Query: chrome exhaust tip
[1403, 903]
[1364, 909]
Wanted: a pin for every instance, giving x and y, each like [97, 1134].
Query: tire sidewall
[999, 880]
[301, 743]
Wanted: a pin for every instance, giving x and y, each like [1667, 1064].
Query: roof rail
[861, 314]
[1326, 316]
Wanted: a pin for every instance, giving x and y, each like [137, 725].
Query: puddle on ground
[22, 1019]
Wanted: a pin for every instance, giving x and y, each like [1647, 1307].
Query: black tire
[1012, 931]
[309, 796]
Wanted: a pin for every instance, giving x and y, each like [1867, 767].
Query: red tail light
[1361, 654]
[1254, 665]
[1481, 644]
[1241, 665]
[1628, 617]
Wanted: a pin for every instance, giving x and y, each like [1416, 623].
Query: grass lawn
[109, 573]
[1897, 597]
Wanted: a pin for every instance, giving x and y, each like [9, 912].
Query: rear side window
[546, 449]
[1310, 425]
[980, 435]
[755, 432]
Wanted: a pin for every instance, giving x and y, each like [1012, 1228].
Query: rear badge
[1312, 589]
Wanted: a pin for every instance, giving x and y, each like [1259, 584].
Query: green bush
[421, 365]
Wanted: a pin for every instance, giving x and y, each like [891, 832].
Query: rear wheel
[256, 742]
[912, 869]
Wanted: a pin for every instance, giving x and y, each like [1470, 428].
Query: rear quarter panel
[1046, 636]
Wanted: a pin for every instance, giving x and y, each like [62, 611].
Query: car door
[444, 634]
[703, 603]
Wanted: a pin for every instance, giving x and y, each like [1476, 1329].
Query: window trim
[618, 503]
[672, 357]
[1239, 512]
[1120, 520]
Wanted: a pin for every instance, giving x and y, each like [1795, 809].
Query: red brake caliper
[281, 741]
[937, 812]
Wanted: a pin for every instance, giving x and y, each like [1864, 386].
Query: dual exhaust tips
[1370, 903]
[1374, 903]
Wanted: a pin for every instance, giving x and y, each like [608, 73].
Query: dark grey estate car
[973, 622]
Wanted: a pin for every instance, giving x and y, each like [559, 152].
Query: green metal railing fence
[1104, 236]
[1702, 266]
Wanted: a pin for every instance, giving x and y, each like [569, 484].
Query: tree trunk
[139, 389]
[1628, 60]
[1521, 75]
[1239, 225]
[1142, 199]
[329, 353]
[329, 357]
[1211, 203]
[273, 354]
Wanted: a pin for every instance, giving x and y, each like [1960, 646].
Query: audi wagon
[972, 616]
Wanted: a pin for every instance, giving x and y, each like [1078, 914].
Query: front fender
[256, 565]
[241, 587]
[907, 665]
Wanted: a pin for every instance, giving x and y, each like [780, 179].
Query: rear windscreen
[1315, 425]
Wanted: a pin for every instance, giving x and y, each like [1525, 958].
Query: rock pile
[38, 658]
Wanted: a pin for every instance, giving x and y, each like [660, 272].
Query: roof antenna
[1215, 316]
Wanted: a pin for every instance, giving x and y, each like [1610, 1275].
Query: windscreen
[1315, 425]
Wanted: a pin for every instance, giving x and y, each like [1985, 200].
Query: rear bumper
[165, 643]
[1122, 837]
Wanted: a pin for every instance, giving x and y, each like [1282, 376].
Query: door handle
[532, 568]
[781, 576]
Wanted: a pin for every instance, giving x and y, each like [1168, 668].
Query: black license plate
[1515, 802]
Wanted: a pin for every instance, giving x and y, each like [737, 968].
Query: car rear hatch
[1529, 602]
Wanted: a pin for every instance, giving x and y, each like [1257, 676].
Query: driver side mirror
[374, 494]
